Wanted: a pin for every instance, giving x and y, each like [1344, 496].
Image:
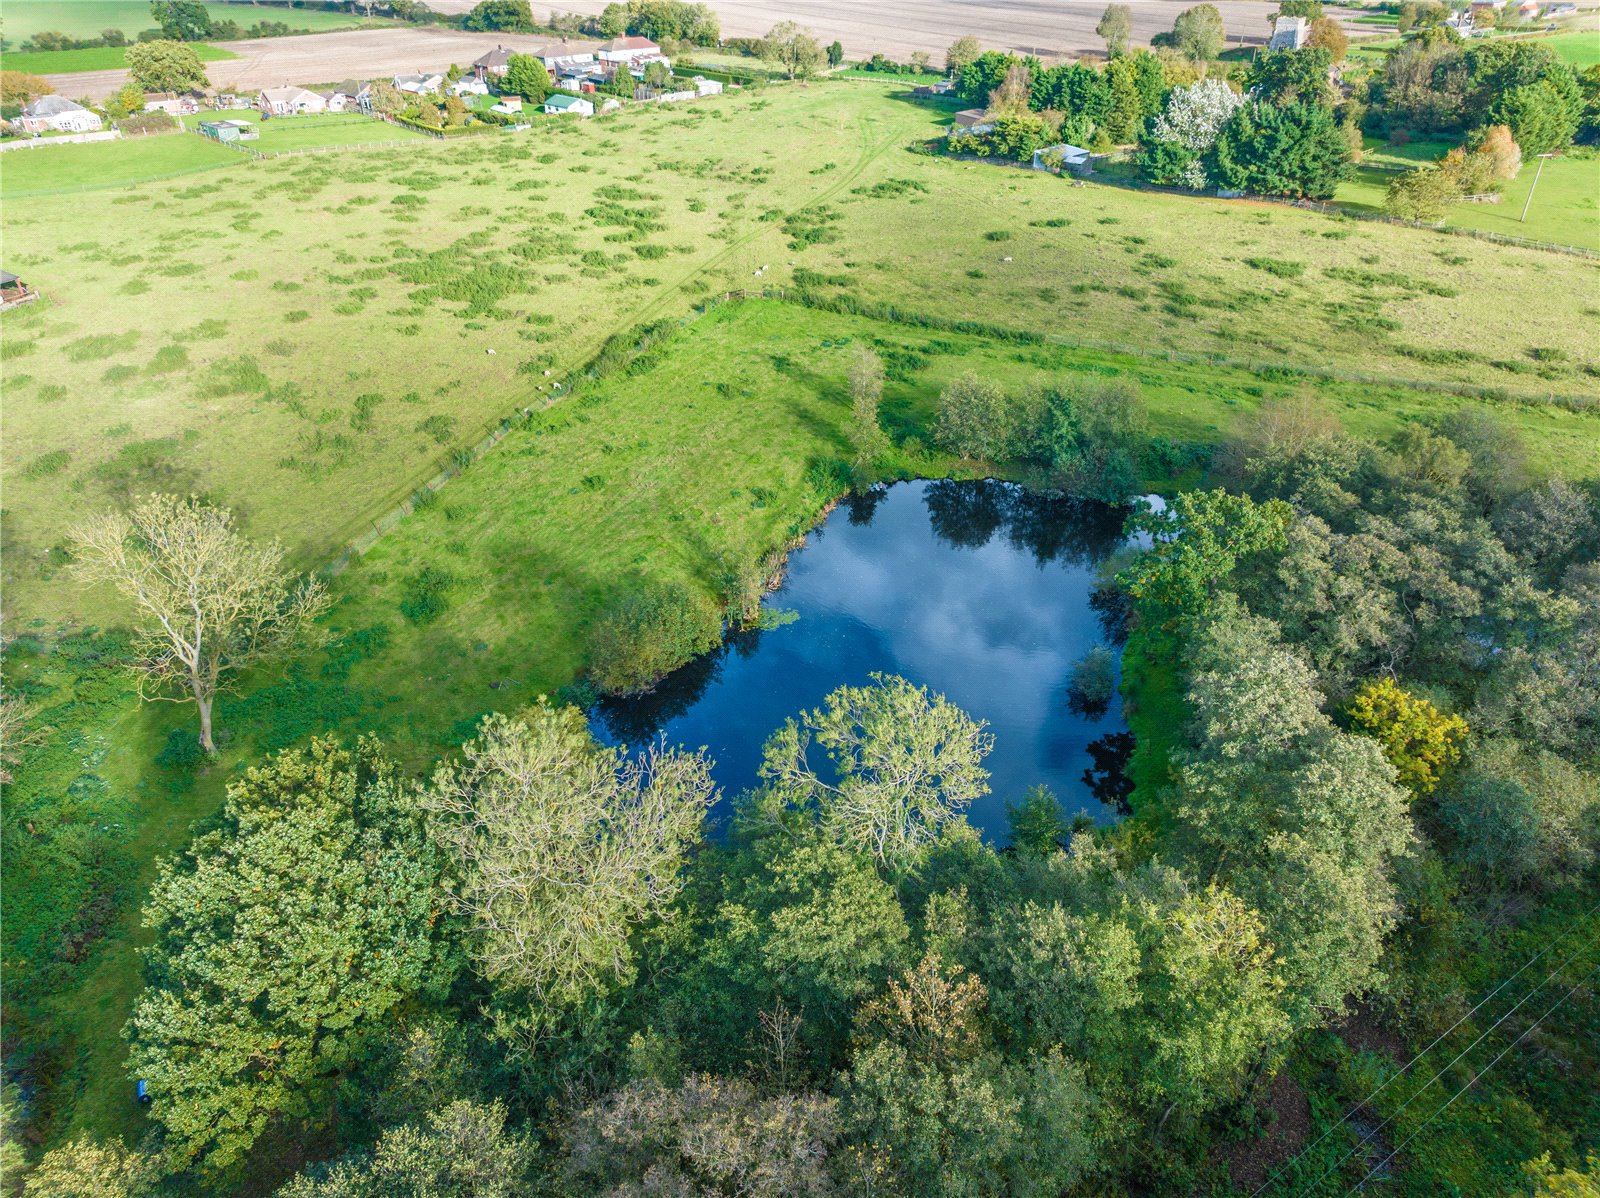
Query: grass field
[107, 58]
[1565, 209]
[308, 339]
[315, 132]
[391, 274]
[90, 18]
[109, 165]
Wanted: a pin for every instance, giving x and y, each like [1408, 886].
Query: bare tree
[19, 728]
[209, 601]
[564, 846]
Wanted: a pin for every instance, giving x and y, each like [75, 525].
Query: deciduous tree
[901, 765]
[1115, 28]
[962, 52]
[509, 16]
[209, 602]
[867, 437]
[1199, 32]
[564, 848]
[463, 1150]
[182, 20]
[792, 49]
[279, 939]
[166, 66]
[1417, 738]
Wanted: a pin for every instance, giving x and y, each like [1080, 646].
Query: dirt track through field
[1051, 29]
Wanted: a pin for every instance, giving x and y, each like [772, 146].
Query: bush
[426, 595]
[646, 633]
[1093, 682]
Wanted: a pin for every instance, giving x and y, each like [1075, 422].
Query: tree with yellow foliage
[1418, 739]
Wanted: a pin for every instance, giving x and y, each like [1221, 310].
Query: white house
[1289, 33]
[565, 105]
[626, 49]
[559, 56]
[469, 85]
[706, 87]
[1074, 159]
[418, 85]
[289, 101]
[58, 114]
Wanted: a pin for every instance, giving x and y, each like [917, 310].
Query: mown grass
[89, 18]
[1565, 208]
[318, 131]
[106, 58]
[109, 165]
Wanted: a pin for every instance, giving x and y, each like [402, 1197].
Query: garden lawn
[106, 58]
[89, 18]
[313, 132]
[106, 166]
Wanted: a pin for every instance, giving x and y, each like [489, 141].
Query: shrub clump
[650, 630]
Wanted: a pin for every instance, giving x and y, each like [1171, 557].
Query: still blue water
[978, 590]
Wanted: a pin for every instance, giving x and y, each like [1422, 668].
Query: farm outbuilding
[1071, 159]
[229, 130]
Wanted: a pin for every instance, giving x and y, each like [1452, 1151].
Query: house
[1528, 9]
[941, 88]
[289, 101]
[177, 105]
[559, 56]
[229, 130]
[496, 62]
[508, 106]
[469, 85]
[57, 114]
[706, 87]
[565, 105]
[350, 96]
[1289, 33]
[1073, 159]
[969, 121]
[626, 49]
[419, 85]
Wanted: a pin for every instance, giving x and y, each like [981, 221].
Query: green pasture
[317, 131]
[83, 19]
[108, 165]
[107, 58]
[376, 282]
[1565, 208]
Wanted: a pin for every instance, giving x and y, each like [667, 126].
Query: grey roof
[7, 278]
[498, 57]
[52, 106]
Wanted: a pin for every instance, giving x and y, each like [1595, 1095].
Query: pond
[981, 591]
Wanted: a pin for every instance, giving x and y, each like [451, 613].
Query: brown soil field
[1052, 29]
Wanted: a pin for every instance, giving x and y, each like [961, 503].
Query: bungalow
[57, 114]
[177, 105]
[289, 101]
[626, 49]
[706, 87]
[419, 85]
[970, 121]
[1289, 33]
[565, 105]
[558, 56]
[1072, 159]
